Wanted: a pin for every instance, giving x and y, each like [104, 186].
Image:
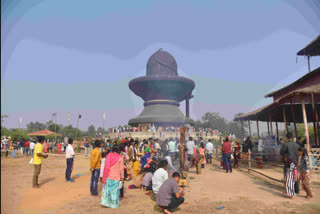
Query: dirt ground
[237, 192]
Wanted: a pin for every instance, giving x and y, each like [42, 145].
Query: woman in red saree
[45, 147]
[112, 175]
[59, 148]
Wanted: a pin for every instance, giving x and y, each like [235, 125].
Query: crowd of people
[27, 147]
[153, 165]
[160, 129]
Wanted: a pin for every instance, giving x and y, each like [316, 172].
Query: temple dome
[162, 64]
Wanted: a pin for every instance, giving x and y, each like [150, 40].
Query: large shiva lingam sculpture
[162, 91]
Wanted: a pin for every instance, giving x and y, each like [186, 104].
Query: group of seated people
[154, 178]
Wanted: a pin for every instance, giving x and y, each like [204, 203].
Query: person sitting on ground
[169, 196]
[147, 179]
[159, 177]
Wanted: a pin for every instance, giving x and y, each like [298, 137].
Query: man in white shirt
[190, 146]
[209, 148]
[172, 147]
[69, 156]
[159, 177]
[31, 147]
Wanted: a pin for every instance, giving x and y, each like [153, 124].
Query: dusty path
[237, 192]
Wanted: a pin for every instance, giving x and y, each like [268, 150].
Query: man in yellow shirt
[37, 160]
[95, 163]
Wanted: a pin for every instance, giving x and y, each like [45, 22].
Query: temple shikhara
[162, 90]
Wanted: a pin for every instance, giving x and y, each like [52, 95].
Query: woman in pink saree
[112, 175]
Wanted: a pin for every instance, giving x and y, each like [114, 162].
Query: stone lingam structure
[162, 91]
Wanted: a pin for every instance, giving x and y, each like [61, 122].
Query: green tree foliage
[101, 130]
[55, 128]
[5, 132]
[91, 131]
[213, 120]
[301, 130]
[35, 126]
[18, 134]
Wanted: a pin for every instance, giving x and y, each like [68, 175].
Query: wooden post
[249, 128]
[258, 129]
[305, 121]
[309, 64]
[268, 128]
[277, 130]
[285, 118]
[182, 139]
[294, 120]
[317, 117]
[270, 120]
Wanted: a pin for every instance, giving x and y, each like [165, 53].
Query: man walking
[31, 147]
[226, 149]
[22, 141]
[37, 161]
[26, 147]
[209, 149]
[70, 160]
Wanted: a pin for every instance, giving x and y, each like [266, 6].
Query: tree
[55, 128]
[69, 131]
[35, 126]
[101, 130]
[3, 118]
[91, 131]
[301, 130]
[18, 134]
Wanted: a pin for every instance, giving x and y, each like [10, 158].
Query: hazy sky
[78, 56]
